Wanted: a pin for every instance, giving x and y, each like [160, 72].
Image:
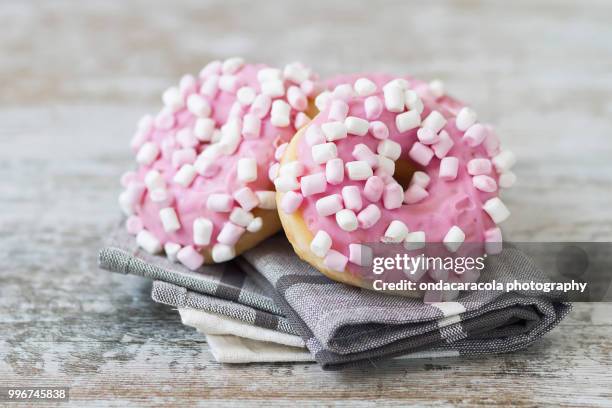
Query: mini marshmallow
[165, 120]
[358, 170]
[161, 197]
[269, 74]
[394, 98]
[228, 83]
[309, 87]
[465, 118]
[504, 161]
[324, 152]
[203, 129]
[334, 171]
[246, 95]
[427, 136]
[414, 240]
[296, 72]
[314, 135]
[379, 130]
[414, 194]
[321, 244]
[496, 209]
[356, 126]
[314, 183]
[390, 149]
[236, 111]
[420, 178]
[230, 233]
[202, 231]
[296, 98]
[434, 121]
[273, 171]
[420, 153]
[364, 87]
[187, 84]
[396, 232]
[133, 225]
[373, 107]
[246, 170]
[454, 238]
[186, 138]
[279, 115]
[443, 146]
[344, 92]
[171, 249]
[369, 216]
[169, 219]
[347, 220]
[385, 166]
[437, 88]
[206, 167]
[232, 65]
[183, 156]
[173, 99]
[280, 151]
[363, 152]
[413, 101]
[484, 183]
[338, 110]
[323, 100]
[286, 183]
[148, 242]
[360, 254]
[398, 82]
[491, 142]
[373, 188]
[223, 253]
[477, 167]
[507, 179]
[189, 257]
[198, 106]
[261, 106]
[493, 241]
[273, 88]
[220, 202]
[329, 205]
[291, 201]
[334, 131]
[246, 198]
[351, 198]
[251, 126]
[230, 136]
[301, 120]
[475, 135]
[407, 121]
[255, 225]
[147, 153]
[241, 217]
[213, 67]
[292, 169]
[334, 260]
[393, 196]
[449, 166]
[154, 180]
[185, 175]
[267, 199]
[210, 86]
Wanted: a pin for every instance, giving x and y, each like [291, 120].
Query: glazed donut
[392, 160]
[201, 192]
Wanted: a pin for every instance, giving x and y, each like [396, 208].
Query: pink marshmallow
[379, 130]
[414, 194]
[314, 135]
[373, 107]
[475, 135]
[189, 257]
[133, 225]
[477, 167]
[334, 260]
[363, 152]
[369, 216]
[484, 183]
[448, 168]
[351, 198]
[373, 188]
[427, 136]
[393, 196]
[291, 201]
[444, 145]
[313, 184]
[421, 153]
[261, 106]
[338, 110]
[329, 205]
[246, 198]
[183, 156]
[230, 234]
[334, 171]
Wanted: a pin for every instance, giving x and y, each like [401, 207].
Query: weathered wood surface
[75, 76]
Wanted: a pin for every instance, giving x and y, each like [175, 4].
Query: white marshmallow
[230, 136]
[185, 175]
[148, 242]
[228, 83]
[173, 99]
[334, 131]
[292, 169]
[390, 149]
[169, 219]
[246, 170]
[210, 86]
[241, 217]
[321, 244]
[296, 72]
[154, 180]
[203, 129]
[273, 88]
[267, 199]
[504, 161]
[279, 116]
[147, 153]
[246, 95]
[269, 74]
[217, 202]
[358, 170]
[356, 126]
[347, 220]
[454, 238]
[396, 232]
[496, 209]
[407, 121]
[437, 88]
[414, 240]
[286, 183]
[202, 231]
[223, 253]
[198, 106]
[171, 249]
[434, 121]
[413, 102]
[465, 118]
[394, 98]
[420, 178]
[232, 65]
[324, 152]
[251, 126]
[385, 165]
[507, 179]
[364, 87]
[322, 100]
[255, 225]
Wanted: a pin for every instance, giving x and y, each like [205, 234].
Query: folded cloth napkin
[342, 325]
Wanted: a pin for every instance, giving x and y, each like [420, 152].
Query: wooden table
[76, 75]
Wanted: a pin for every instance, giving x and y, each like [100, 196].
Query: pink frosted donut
[202, 192]
[391, 160]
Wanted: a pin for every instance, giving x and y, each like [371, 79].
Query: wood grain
[77, 75]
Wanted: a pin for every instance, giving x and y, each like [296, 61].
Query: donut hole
[404, 169]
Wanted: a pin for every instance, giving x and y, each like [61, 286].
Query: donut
[201, 192]
[390, 160]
